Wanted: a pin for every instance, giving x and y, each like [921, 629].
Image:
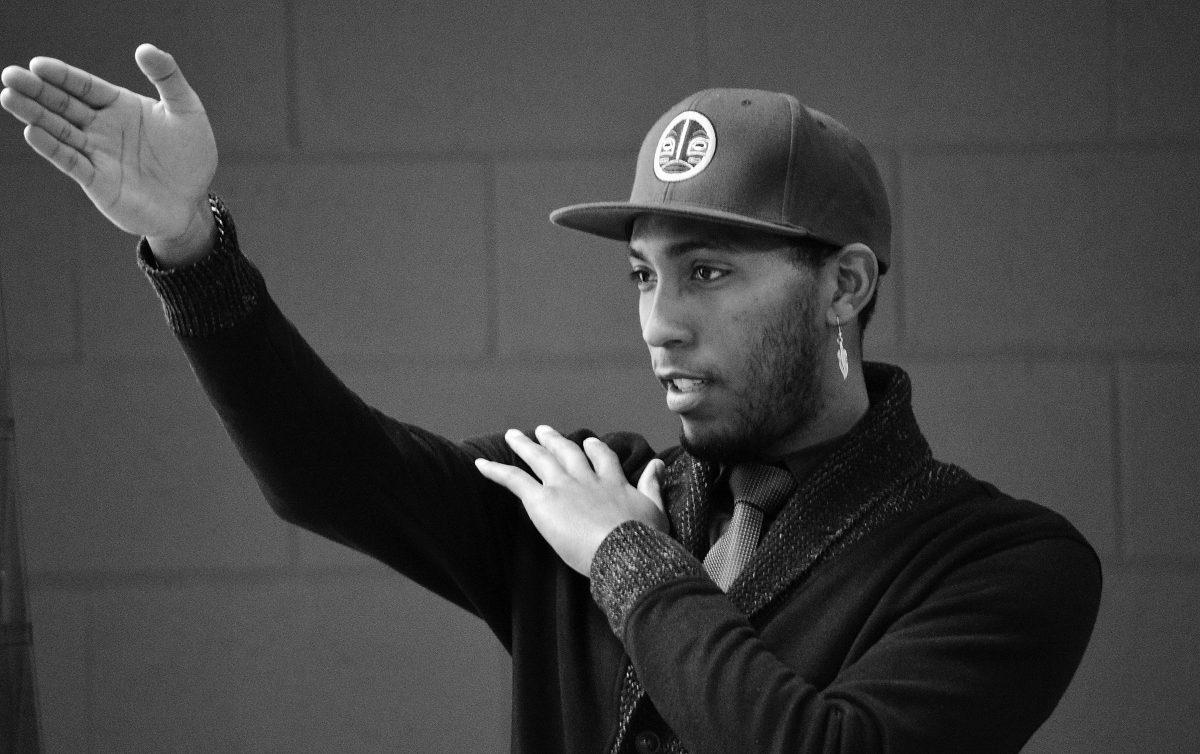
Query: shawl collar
[880, 469]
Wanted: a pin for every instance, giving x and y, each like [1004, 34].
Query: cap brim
[615, 219]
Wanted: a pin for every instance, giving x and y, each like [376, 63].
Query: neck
[844, 403]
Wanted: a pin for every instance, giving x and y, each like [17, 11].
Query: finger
[164, 73]
[569, 455]
[16, 77]
[93, 91]
[62, 156]
[649, 484]
[25, 84]
[511, 478]
[603, 459]
[541, 460]
[31, 112]
[14, 102]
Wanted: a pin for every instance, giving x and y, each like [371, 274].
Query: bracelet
[226, 234]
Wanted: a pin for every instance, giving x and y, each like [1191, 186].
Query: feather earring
[842, 356]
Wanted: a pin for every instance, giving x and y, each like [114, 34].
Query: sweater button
[647, 742]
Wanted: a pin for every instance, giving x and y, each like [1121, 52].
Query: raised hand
[583, 494]
[145, 164]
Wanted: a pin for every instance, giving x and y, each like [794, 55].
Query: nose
[665, 322]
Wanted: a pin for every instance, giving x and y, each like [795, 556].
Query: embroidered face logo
[686, 147]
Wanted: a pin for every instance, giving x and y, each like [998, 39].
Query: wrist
[197, 240]
[217, 292]
[632, 560]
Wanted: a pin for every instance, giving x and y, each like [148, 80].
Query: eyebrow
[683, 247]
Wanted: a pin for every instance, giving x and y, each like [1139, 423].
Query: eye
[708, 274]
[642, 278]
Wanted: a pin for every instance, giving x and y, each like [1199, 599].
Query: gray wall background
[391, 166]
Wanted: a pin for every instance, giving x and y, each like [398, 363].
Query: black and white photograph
[599, 378]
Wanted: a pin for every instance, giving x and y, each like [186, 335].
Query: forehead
[655, 234]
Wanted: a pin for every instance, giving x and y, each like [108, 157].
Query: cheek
[644, 304]
[773, 334]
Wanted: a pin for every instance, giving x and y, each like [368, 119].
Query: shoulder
[972, 521]
[976, 505]
[633, 449]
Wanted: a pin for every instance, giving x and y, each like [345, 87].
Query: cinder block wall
[391, 167]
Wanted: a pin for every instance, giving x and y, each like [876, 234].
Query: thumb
[649, 483]
[164, 73]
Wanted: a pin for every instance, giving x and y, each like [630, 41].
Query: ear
[857, 272]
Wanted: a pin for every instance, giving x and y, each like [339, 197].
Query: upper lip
[667, 375]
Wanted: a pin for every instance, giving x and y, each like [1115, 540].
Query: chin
[717, 446]
[746, 435]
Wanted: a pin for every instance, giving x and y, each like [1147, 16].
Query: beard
[781, 395]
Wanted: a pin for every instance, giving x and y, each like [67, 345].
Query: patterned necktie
[758, 491]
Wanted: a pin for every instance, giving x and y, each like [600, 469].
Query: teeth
[684, 384]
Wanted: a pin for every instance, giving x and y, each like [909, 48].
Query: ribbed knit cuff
[212, 294]
[633, 559]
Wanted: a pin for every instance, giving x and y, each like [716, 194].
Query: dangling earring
[843, 357]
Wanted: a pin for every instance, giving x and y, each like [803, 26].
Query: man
[799, 575]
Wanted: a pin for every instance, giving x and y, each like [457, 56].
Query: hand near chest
[576, 495]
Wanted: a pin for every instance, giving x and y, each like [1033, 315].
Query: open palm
[145, 164]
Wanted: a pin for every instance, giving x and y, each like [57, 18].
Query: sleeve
[976, 664]
[324, 459]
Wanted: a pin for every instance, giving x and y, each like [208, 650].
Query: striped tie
[758, 492]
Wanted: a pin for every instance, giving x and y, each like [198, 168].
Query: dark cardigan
[896, 604]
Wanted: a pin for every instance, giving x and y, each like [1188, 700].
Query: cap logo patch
[685, 147]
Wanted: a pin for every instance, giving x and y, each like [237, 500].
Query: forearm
[726, 689]
[719, 686]
[323, 458]
[973, 656]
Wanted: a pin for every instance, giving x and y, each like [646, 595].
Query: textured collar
[863, 482]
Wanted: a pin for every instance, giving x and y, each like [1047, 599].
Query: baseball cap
[752, 159]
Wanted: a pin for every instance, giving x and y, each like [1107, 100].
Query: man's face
[735, 333]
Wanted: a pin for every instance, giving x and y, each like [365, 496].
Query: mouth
[685, 392]
[683, 384]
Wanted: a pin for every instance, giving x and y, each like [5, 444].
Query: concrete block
[1051, 252]
[383, 665]
[62, 638]
[430, 76]
[232, 53]
[1041, 431]
[1136, 688]
[1160, 450]
[465, 403]
[72, 287]
[120, 317]
[562, 292]
[38, 258]
[370, 258]
[197, 666]
[887, 323]
[1156, 94]
[124, 469]
[883, 330]
[928, 70]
